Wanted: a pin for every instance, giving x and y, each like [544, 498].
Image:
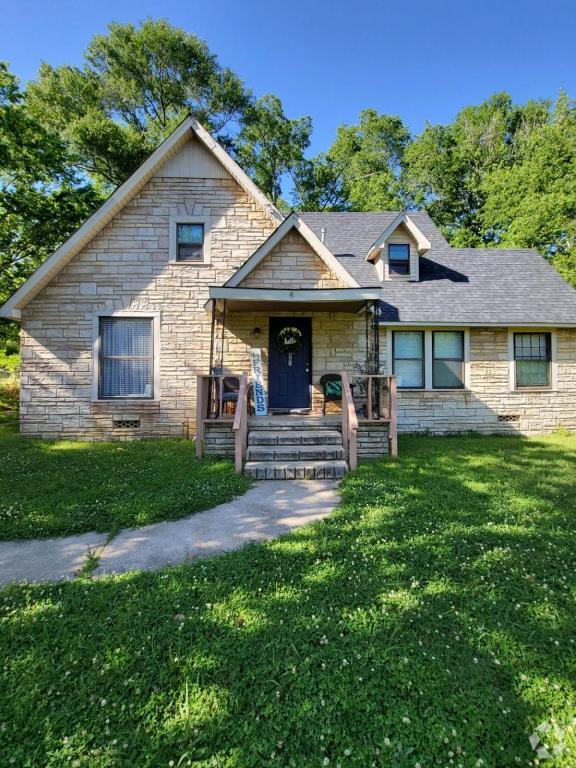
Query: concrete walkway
[267, 510]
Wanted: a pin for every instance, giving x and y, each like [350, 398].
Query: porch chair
[331, 384]
[230, 392]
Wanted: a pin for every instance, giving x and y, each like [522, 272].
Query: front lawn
[64, 487]
[431, 621]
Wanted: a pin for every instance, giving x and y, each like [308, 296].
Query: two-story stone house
[188, 267]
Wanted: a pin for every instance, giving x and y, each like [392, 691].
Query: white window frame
[428, 357]
[553, 360]
[155, 317]
[173, 239]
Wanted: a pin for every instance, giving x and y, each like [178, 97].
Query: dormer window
[399, 258]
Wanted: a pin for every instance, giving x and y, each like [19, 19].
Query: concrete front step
[295, 470]
[284, 453]
[279, 423]
[294, 437]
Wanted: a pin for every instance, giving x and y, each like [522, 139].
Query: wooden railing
[349, 423]
[209, 404]
[377, 402]
[241, 424]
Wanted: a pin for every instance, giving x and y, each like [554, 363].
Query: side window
[448, 359]
[532, 354]
[408, 359]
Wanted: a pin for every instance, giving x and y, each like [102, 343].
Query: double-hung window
[189, 241]
[399, 258]
[532, 354]
[448, 359]
[408, 359]
[125, 357]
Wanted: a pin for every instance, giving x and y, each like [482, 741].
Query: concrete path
[267, 510]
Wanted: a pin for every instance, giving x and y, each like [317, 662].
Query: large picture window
[408, 359]
[448, 359]
[126, 358]
[532, 360]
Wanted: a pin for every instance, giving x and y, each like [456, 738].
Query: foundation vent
[508, 418]
[126, 423]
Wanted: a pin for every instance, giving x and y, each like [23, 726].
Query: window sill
[532, 390]
[126, 402]
[465, 390]
[190, 263]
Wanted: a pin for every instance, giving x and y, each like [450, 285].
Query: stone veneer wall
[292, 264]
[126, 267]
[489, 395]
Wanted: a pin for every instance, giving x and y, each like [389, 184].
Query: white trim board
[11, 309]
[293, 221]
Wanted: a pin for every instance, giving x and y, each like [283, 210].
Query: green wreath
[290, 340]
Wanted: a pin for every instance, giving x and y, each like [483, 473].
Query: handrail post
[393, 424]
[200, 414]
[349, 423]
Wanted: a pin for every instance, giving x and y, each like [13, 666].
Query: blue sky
[331, 59]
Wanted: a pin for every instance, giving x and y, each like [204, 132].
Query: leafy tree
[319, 185]
[270, 145]
[532, 202]
[42, 200]
[136, 84]
[446, 166]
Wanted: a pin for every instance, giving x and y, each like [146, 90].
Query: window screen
[408, 359]
[126, 362]
[532, 356]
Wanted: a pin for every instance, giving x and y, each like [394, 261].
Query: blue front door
[289, 375]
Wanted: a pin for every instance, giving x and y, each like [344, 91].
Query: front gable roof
[120, 197]
[293, 221]
[402, 219]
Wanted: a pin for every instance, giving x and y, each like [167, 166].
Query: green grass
[430, 621]
[60, 488]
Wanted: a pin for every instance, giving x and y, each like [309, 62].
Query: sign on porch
[260, 398]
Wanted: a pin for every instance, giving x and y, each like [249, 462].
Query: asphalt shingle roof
[457, 285]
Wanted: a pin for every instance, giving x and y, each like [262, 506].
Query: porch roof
[283, 299]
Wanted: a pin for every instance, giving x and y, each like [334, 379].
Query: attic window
[399, 258]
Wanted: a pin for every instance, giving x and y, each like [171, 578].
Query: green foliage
[136, 85]
[429, 621]
[42, 200]
[362, 169]
[270, 144]
[9, 389]
[59, 488]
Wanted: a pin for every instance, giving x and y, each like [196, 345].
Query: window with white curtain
[448, 359]
[408, 359]
[126, 357]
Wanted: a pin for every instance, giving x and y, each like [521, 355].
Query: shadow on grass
[431, 619]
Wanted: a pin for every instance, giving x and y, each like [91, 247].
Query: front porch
[328, 403]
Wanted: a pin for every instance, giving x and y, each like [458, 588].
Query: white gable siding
[193, 160]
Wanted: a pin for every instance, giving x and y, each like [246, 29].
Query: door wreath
[289, 341]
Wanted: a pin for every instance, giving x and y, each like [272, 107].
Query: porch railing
[209, 403]
[349, 423]
[240, 426]
[377, 402]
